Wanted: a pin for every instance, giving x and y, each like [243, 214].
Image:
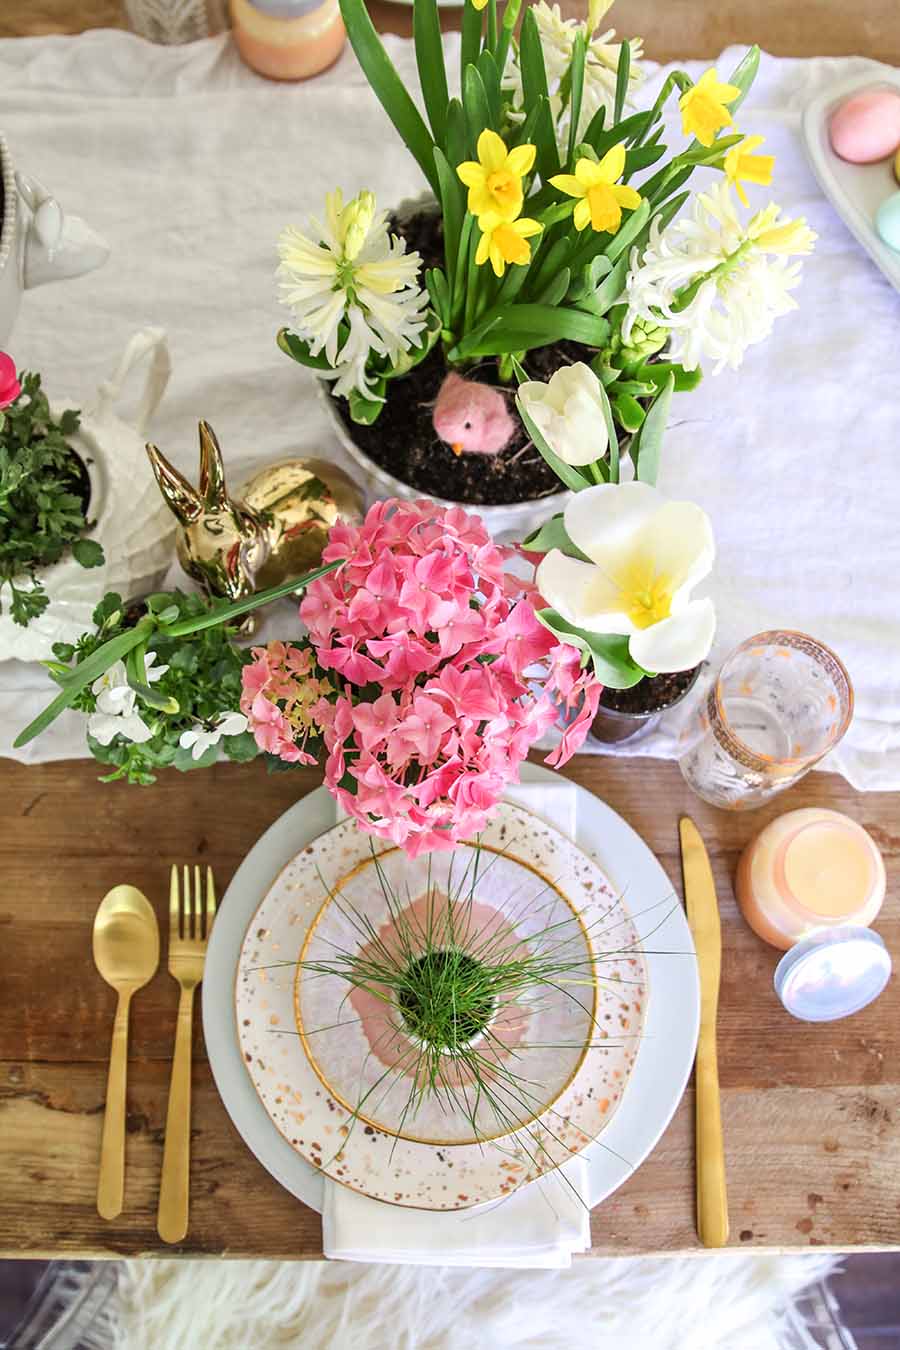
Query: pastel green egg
[887, 221]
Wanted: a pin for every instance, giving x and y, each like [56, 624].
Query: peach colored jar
[288, 39]
[806, 871]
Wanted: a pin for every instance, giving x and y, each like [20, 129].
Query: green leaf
[457, 150]
[87, 553]
[430, 63]
[610, 289]
[490, 78]
[475, 105]
[642, 158]
[616, 133]
[439, 292]
[224, 613]
[622, 75]
[548, 322]
[553, 534]
[547, 157]
[388, 87]
[647, 444]
[595, 127]
[510, 19]
[576, 75]
[491, 39]
[84, 674]
[531, 62]
[565, 472]
[658, 372]
[612, 663]
[366, 410]
[743, 76]
[555, 290]
[628, 411]
[452, 198]
[298, 350]
[627, 233]
[183, 760]
[241, 748]
[470, 43]
[611, 433]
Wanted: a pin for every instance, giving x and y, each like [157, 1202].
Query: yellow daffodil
[703, 110]
[601, 196]
[505, 241]
[787, 237]
[495, 179]
[478, 4]
[742, 166]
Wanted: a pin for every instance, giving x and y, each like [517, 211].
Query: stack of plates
[308, 1070]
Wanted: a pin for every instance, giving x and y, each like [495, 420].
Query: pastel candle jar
[866, 128]
[807, 871]
[288, 39]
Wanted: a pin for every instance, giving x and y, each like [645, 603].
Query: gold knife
[703, 917]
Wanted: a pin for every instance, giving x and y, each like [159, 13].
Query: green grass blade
[452, 198]
[576, 74]
[622, 75]
[388, 87]
[470, 44]
[476, 107]
[430, 63]
[531, 60]
[491, 42]
[222, 614]
[490, 78]
[456, 150]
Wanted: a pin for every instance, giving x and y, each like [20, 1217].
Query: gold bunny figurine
[275, 528]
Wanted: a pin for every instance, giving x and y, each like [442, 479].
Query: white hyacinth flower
[568, 412]
[115, 714]
[647, 554]
[716, 283]
[358, 275]
[601, 64]
[199, 738]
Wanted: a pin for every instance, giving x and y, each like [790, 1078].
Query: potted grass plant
[546, 190]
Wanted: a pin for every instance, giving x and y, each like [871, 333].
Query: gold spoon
[126, 953]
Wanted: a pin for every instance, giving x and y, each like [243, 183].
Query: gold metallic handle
[172, 1217]
[712, 1196]
[111, 1182]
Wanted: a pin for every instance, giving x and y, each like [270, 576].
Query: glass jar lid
[833, 973]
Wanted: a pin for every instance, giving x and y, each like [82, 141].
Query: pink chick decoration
[472, 417]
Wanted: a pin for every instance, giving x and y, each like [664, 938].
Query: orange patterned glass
[782, 700]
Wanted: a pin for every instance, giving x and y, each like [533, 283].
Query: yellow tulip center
[646, 596]
[505, 188]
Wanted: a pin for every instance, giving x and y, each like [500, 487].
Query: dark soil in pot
[403, 440]
[624, 713]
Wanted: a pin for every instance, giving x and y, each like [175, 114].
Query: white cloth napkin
[537, 1227]
[190, 165]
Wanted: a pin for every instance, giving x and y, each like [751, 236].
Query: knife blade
[703, 917]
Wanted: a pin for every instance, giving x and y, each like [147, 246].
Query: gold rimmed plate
[326, 1071]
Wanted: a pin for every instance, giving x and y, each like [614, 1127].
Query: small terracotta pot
[612, 726]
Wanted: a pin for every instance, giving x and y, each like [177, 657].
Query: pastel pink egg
[867, 127]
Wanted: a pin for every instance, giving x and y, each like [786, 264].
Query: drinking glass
[782, 700]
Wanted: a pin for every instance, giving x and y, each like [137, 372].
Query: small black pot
[612, 725]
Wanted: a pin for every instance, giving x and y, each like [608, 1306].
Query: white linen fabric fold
[190, 165]
[538, 1227]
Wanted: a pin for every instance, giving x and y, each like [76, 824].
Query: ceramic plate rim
[663, 1063]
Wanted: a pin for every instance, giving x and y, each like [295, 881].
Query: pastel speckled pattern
[584, 1087]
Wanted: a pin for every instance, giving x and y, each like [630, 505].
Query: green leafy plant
[42, 499]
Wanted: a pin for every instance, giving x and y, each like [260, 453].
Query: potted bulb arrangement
[550, 237]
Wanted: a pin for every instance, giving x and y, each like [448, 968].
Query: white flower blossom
[568, 412]
[115, 714]
[600, 67]
[355, 292]
[200, 737]
[736, 279]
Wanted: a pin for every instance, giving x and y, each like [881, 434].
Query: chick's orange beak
[456, 447]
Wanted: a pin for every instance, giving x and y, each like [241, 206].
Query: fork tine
[210, 901]
[186, 903]
[174, 905]
[198, 905]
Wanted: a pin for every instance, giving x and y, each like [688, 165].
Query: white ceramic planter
[510, 523]
[38, 242]
[130, 519]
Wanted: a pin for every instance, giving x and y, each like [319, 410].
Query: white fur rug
[729, 1301]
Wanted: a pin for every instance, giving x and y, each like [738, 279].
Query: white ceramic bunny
[38, 241]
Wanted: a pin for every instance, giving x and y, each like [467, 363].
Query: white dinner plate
[855, 190]
[669, 1039]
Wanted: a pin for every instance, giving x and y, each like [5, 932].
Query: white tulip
[568, 412]
[647, 554]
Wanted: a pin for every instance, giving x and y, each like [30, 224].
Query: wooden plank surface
[675, 30]
[812, 1114]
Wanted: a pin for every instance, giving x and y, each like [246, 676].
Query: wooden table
[812, 1114]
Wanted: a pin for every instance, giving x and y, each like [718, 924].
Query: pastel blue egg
[887, 221]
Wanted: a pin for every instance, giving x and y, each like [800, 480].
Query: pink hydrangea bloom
[427, 675]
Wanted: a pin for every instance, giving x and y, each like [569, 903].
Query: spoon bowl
[126, 953]
[126, 939]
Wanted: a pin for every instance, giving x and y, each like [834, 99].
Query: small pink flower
[10, 388]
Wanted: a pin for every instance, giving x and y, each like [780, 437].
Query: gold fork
[190, 924]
